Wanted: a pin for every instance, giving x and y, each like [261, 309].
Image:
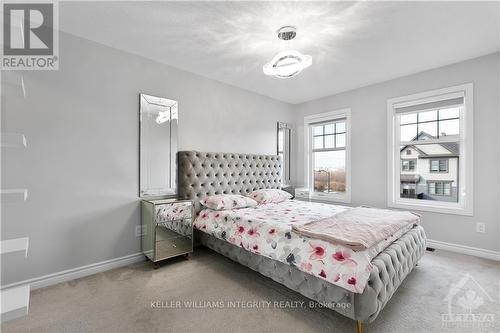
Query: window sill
[443, 209]
[331, 198]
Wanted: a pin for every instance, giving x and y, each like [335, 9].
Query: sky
[329, 160]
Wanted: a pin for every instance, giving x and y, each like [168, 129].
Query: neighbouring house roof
[453, 147]
[449, 149]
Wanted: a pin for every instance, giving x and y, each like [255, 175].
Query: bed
[201, 174]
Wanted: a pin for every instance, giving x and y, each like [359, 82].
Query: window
[328, 155]
[408, 190]
[435, 128]
[434, 123]
[439, 188]
[438, 165]
[408, 165]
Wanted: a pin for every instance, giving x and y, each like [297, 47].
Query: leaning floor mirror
[158, 146]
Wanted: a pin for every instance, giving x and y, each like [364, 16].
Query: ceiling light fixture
[163, 117]
[287, 63]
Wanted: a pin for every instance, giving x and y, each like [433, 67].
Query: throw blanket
[358, 228]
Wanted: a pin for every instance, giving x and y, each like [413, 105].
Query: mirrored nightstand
[167, 228]
[302, 194]
[299, 193]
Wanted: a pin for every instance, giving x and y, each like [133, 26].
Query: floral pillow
[227, 201]
[269, 196]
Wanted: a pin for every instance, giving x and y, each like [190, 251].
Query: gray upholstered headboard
[201, 174]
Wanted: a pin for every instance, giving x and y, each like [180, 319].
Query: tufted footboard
[390, 268]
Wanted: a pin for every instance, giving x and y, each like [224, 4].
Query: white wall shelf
[14, 140]
[14, 302]
[13, 85]
[13, 195]
[15, 245]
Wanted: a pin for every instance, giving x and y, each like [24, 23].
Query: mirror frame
[145, 99]
[287, 151]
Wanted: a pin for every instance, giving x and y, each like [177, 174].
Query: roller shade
[438, 103]
[336, 120]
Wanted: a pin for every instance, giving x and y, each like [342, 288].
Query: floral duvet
[267, 230]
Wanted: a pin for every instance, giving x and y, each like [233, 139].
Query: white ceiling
[353, 44]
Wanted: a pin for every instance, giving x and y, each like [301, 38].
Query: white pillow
[227, 201]
[269, 196]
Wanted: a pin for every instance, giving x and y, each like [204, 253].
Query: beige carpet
[121, 300]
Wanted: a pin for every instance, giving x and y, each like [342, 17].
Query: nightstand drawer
[172, 211]
[173, 247]
[174, 228]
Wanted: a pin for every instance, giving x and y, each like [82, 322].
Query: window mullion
[324, 140]
[418, 122]
[430, 141]
[437, 125]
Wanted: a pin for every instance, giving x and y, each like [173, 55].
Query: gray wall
[369, 145]
[82, 162]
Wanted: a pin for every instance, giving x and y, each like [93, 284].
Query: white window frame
[308, 174]
[465, 204]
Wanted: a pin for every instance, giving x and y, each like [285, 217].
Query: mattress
[266, 230]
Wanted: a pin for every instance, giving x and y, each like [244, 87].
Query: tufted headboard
[201, 174]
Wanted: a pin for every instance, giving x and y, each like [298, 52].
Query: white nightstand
[167, 228]
[302, 194]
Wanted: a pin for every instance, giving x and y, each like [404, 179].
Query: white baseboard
[78, 272]
[472, 251]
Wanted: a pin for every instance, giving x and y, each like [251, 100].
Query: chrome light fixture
[287, 63]
[162, 117]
